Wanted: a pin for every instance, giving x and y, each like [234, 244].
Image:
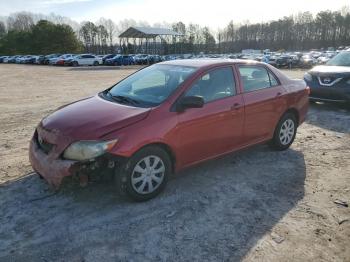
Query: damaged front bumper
[45, 155]
[53, 170]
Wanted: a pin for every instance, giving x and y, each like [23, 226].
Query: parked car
[6, 59]
[60, 61]
[84, 59]
[19, 59]
[331, 82]
[152, 59]
[28, 59]
[47, 58]
[307, 61]
[119, 60]
[13, 59]
[167, 117]
[2, 58]
[107, 57]
[39, 60]
[141, 59]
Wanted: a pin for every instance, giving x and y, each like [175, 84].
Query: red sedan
[167, 117]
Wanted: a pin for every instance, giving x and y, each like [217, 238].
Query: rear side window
[215, 84]
[256, 77]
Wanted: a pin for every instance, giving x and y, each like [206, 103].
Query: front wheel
[147, 173]
[285, 132]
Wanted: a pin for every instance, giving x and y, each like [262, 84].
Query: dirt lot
[256, 205]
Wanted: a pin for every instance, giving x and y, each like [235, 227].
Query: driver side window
[215, 84]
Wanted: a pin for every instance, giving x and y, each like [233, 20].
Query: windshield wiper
[123, 99]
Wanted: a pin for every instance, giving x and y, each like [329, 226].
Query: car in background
[162, 118]
[60, 61]
[127, 60]
[84, 60]
[331, 82]
[108, 56]
[19, 59]
[120, 60]
[141, 59]
[39, 60]
[28, 59]
[307, 61]
[152, 59]
[113, 60]
[273, 60]
[2, 58]
[283, 61]
[6, 59]
[47, 58]
[100, 59]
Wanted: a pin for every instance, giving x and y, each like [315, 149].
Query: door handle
[236, 106]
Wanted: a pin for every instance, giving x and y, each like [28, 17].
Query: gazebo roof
[147, 32]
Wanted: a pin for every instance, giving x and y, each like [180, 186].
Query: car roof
[208, 62]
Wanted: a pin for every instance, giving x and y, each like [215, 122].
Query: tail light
[308, 90]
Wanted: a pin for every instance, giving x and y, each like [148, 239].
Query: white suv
[85, 59]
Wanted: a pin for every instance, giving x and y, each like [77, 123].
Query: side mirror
[189, 102]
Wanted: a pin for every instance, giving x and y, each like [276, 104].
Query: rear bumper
[52, 170]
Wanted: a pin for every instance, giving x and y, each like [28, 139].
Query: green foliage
[43, 38]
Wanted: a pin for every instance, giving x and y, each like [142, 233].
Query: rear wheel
[285, 132]
[75, 63]
[95, 63]
[147, 173]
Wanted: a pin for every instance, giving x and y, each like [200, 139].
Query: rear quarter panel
[298, 97]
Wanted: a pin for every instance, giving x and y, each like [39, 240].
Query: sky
[215, 14]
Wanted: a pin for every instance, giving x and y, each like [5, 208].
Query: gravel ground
[255, 205]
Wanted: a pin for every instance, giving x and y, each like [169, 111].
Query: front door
[215, 128]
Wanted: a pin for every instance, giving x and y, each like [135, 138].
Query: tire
[95, 63]
[75, 63]
[285, 132]
[115, 63]
[138, 188]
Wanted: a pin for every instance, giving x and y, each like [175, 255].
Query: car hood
[330, 69]
[92, 118]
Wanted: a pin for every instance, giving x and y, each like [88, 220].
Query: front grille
[328, 80]
[44, 145]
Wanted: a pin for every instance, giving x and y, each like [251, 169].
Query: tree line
[300, 32]
[28, 33]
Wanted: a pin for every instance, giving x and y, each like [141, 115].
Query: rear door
[90, 59]
[263, 99]
[84, 60]
[217, 127]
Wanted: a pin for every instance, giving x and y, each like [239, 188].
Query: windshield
[151, 85]
[341, 59]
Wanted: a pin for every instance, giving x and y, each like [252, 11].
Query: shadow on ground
[333, 117]
[214, 212]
